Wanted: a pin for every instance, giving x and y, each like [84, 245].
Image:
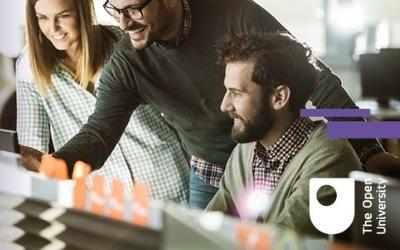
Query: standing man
[168, 60]
[268, 79]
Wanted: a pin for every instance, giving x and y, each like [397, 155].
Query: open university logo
[338, 216]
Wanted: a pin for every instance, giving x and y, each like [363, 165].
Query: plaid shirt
[270, 163]
[148, 148]
[206, 171]
[185, 31]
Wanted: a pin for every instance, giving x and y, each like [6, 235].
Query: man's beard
[255, 128]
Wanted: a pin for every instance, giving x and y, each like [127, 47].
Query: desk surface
[379, 113]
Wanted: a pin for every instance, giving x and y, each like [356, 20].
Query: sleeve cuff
[368, 151]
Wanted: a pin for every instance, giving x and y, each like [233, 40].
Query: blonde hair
[94, 43]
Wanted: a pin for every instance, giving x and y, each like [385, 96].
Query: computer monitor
[9, 141]
[380, 75]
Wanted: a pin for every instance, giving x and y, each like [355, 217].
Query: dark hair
[279, 60]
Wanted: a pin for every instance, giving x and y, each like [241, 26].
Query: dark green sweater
[184, 83]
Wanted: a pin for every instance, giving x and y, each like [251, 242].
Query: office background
[338, 31]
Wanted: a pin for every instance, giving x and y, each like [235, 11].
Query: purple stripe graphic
[362, 130]
[335, 112]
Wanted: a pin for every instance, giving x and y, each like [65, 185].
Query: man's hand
[31, 158]
[56, 168]
[50, 166]
[53, 167]
[385, 164]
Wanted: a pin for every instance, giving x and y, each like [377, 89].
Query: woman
[56, 84]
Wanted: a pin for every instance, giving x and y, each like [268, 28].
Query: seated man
[268, 78]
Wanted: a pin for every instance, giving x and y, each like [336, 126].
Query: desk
[38, 221]
[391, 113]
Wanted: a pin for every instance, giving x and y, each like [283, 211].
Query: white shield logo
[337, 217]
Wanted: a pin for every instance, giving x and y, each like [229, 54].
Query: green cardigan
[320, 157]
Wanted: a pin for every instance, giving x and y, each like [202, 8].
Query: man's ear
[280, 97]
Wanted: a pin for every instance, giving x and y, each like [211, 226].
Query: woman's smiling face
[58, 20]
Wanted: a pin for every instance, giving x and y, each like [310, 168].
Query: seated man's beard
[255, 128]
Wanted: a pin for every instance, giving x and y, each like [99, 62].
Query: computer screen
[9, 141]
[380, 75]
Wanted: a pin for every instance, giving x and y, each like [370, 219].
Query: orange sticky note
[252, 238]
[117, 203]
[80, 191]
[97, 196]
[81, 170]
[141, 213]
[53, 167]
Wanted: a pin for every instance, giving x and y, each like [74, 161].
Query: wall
[303, 18]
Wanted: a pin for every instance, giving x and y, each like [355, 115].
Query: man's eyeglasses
[133, 11]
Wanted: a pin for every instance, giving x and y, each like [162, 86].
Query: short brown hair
[279, 60]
